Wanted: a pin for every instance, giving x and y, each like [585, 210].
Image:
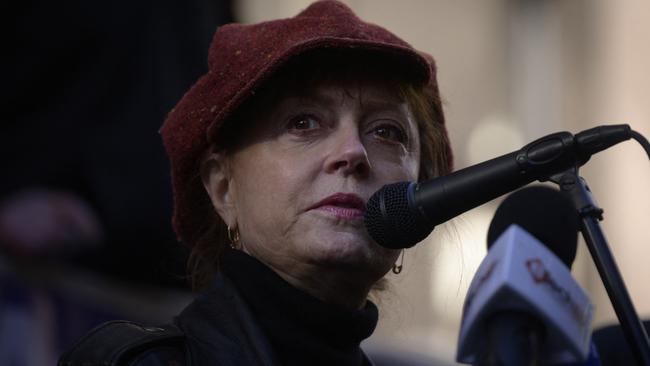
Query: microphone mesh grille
[391, 222]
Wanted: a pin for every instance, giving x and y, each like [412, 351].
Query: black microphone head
[543, 212]
[390, 221]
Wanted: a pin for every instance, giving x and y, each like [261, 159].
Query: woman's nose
[348, 155]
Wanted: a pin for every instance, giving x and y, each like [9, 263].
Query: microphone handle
[446, 197]
[514, 339]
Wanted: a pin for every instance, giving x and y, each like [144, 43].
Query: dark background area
[89, 85]
[85, 194]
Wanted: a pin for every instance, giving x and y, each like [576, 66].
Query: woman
[274, 153]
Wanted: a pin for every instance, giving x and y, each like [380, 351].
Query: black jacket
[218, 328]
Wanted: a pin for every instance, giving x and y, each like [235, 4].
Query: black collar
[301, 329]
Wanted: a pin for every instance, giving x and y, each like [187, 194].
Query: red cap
[241, 58]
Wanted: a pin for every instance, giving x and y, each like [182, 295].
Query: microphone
[401, 215]
[523, 305]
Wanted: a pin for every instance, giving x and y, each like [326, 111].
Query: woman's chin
[348, 249]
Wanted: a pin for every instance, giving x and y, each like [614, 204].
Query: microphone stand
[589, 212]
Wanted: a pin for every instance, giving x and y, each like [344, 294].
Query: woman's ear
[216, 177]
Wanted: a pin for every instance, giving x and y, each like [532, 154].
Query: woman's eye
[390, 133]
[303, 123]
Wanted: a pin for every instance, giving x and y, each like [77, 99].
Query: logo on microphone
[541, 275]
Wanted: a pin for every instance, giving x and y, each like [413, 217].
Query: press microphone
[401, 215]
[523, 306]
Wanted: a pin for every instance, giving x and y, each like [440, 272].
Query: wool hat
[241, 58]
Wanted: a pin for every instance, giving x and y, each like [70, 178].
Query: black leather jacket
[218, 328]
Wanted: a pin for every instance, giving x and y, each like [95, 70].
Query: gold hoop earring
[233, 237]
[397, 268]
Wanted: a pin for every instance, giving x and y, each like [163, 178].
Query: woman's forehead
[365, 94]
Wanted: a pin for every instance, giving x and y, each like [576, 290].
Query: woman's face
[297, 189]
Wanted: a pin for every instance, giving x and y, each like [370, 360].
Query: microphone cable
[641, 140]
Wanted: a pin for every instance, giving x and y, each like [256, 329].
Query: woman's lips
[342, 205]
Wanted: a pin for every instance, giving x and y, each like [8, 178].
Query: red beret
[241, 58]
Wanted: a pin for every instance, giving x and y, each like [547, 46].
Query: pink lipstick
[342, 205]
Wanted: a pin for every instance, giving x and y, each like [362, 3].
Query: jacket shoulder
[127, 343]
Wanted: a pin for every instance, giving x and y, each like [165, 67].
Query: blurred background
[85, 191]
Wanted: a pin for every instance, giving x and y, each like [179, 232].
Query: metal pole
[590, 213]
